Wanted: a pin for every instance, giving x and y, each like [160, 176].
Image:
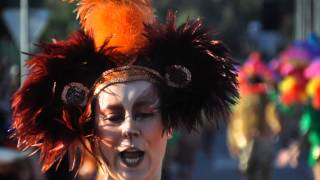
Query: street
[222, 166]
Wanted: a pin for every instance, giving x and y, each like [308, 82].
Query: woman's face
[130, 126]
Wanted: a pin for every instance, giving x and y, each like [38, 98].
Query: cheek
[109, 141]
[110, 136]
[153, 133]
[153, 129]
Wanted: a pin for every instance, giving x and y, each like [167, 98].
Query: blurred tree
[62, 20]
[228, 17]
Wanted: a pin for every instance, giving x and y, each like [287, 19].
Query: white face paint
[129, 123]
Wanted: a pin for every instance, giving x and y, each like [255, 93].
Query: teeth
[131, 158]
[131, 161]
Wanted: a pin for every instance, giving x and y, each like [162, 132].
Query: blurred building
[307, 18]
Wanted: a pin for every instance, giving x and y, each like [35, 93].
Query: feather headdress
[293, 62]
[195, 73]
[313, 87]
[254, 75]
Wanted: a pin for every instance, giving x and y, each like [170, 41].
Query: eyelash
[117, 119]
[144, 115]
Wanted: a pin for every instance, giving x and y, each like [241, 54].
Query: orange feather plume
[120, 22]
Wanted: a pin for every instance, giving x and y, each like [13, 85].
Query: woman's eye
[142, 116]
[115, 119]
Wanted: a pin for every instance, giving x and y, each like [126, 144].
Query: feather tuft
[213, 86]
[121, 21]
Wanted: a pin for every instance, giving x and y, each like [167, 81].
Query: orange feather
[121, 22]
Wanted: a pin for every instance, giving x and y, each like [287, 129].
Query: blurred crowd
[279, 103]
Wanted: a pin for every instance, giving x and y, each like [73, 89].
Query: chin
[142, 170]
[135, 176]
[144, 174]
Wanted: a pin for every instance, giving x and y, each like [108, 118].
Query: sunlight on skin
[131, 108]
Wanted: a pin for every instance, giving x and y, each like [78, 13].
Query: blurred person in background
[291, 64]
[15, 165]
[254, 122]
[292, 98]
[9, 83]
[309, 124]
[290, 101]
[119, 88]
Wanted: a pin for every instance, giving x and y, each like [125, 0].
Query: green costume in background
[310, 127]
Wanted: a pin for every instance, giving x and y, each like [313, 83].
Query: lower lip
[132, 162]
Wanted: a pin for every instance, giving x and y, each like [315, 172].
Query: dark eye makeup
[114, 118]
[141, 116]
[142, 111]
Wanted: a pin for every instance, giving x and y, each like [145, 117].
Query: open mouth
[131, 157]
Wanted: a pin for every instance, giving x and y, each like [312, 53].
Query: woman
[129, 118]
[120, 88]
[254, 122]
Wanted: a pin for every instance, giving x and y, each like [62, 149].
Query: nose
[131, 134]
[130, 129]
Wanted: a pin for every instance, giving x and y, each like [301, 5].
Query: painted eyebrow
[111, 108]
[114, 106]
[145, 103]
[145, 100]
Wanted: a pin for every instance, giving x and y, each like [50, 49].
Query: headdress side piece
[47, 107]
[198, 71]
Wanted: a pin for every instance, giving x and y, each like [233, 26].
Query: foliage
[61, 22]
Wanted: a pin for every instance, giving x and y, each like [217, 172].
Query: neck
[154, 178]
[157, 176]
